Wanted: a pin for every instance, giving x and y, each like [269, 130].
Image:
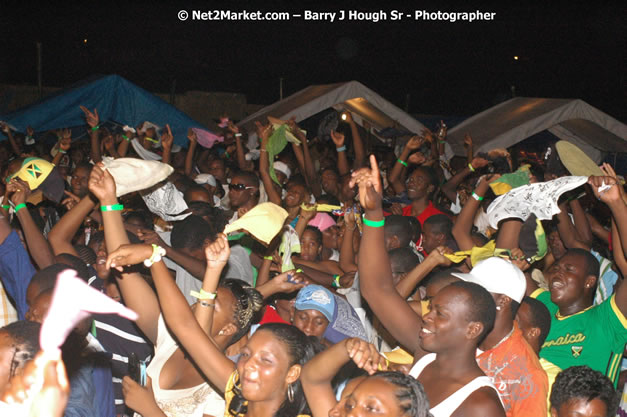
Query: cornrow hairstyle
[410, 394]
[248, 302]
[300, 349]
[25, 336]
[583, 383]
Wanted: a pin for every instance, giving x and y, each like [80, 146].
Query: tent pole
[39, 78]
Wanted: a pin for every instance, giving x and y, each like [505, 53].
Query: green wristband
[93, 129]
[373, 223]
[403, 163]
[126, 138]
[6, 207]
[476, 196]
[114, 207]
[336, 282]
[18, 207]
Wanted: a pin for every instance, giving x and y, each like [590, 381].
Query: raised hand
[127, 255]
[218, 252]
[108, 143]
[609, 171]
[369, 182]
[467, 139]
[437, 256]
[20, 189]
[191, 135]
[609, 188]
[308, 213]
[338, 138]
[415, 142]
[71, 200]
[264, 132]
[166, 138]
[92, 119]
[234, 129]
[479, 162]
[4, 127]
[288, 282]
[102, 184]
[417, 158]
[29, 131]
[364, 355]
[65, 143]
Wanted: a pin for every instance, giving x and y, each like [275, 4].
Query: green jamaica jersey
[595, 337]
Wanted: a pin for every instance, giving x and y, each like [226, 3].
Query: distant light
[85, 40]
[515, 57]
[343, 116]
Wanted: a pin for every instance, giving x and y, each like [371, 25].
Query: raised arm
[347, 251]
[192, 265]
[38, 246]
[375, 273]
[358, 144]
[450, 187]
[179, 317]
[466, 218]
[340, 147]
[7, 130]
[469, 147]
[189, 156]
[166, 142]
[63, 146]
[264, 133]
[395, 175]
[310, 170]
[320, 370]
[436, 258]
[567, 231]
[61, 235]
[135, 290]
[127, 137]
[93, 121]
[612, 197]
[582, 226]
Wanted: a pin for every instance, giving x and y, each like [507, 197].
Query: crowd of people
[310, 276]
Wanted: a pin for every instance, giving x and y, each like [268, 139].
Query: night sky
[570, 51]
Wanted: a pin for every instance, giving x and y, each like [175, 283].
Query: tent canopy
[363, 103]
[515, 120]
[117, 100]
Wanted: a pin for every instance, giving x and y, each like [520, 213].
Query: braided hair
[25, 337]
[410, 394]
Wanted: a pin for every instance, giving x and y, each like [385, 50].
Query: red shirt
[270, 315]
[426, 213]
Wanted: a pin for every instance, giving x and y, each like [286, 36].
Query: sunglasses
[239, 187]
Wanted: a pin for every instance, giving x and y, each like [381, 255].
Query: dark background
[571, 50]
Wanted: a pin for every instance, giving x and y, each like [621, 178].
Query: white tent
[363, 103]
[517, 119]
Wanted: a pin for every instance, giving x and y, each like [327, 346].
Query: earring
[221, 333]
[290, 393]
[498, 308]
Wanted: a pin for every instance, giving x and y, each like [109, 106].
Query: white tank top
[452, 403]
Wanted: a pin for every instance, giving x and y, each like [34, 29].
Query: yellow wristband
[204, 295]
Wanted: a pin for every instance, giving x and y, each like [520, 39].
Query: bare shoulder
[484, 402]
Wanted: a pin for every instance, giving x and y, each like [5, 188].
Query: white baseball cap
[205, 179]
[498, 276]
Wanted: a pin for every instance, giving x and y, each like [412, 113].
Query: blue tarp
[117, 100]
